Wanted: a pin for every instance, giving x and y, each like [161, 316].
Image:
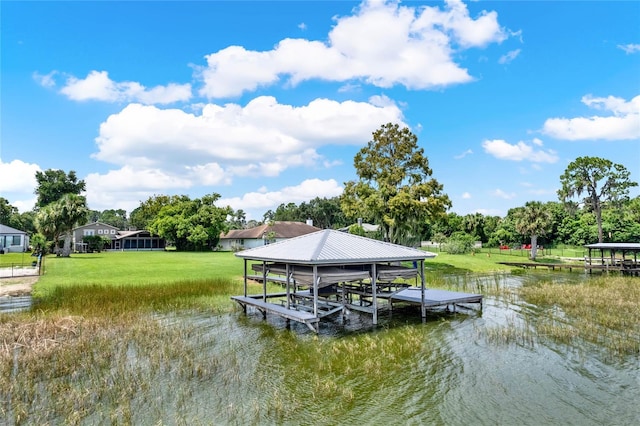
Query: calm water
[443, 371]
[447, 373]
[14, 303]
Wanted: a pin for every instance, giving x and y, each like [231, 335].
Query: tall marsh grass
[110, 300]
[70, 369]
[94, 350]
[604, 310]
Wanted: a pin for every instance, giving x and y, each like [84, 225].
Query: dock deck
[303, 317]
[300, 306]
[432, 297]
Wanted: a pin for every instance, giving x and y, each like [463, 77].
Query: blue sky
[267, 102]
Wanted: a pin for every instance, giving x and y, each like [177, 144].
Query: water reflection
[9, 304]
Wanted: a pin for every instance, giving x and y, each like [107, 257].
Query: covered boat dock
[331, 272]
[622, 257]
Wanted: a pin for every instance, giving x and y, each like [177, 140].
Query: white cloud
[157, 150]
[18, 183]
[466, 196]
[464, 154]
[259, 136]
[621, 123]
[98, 86]
[630, 48]
[18, 176]
[125, 188]
[499, 193]
[519, 152]
[489, 212]
[416, 50]
[509, 57]
[47, 80]
[258, 202]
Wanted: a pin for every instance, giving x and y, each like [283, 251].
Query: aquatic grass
[163, 359]
[492, 285]
[339, 370]
[101, 300]
[60, 369]
[603, 310]
[515, 331]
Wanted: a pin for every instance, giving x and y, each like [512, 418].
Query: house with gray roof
[13, 240]
[135, 240]
[269, 233]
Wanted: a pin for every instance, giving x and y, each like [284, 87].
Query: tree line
[394, 189]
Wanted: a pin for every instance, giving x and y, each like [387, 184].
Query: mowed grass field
[138, 268]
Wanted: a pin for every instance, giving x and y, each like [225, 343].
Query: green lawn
[8, 259]
[144, 266]
[461, 263]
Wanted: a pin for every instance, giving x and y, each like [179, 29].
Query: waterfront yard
[153, 338]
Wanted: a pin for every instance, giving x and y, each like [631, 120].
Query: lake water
[14, 303]
[447, 373]
[405, 371]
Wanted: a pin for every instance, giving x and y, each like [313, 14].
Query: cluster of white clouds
[157, 148]
[621, 123]
[18, 183]
[630, 48]
[97, 86]
[263, 199]
[520, 151]
[169, 149]
[154, 149]
[415, 50]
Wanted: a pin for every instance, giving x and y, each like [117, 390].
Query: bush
[96, 243]
[459, 243]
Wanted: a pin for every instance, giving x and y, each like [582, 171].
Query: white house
[13, 240]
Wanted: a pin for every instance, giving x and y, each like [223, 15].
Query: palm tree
[533, 220]
[47, 223]
[59, 218]
[73, 209]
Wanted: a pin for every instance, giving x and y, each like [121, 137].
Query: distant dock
[623, 268]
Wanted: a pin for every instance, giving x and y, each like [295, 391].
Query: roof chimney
[310, 222]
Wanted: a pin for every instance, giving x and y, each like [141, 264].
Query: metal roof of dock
[331, 247]
[614, 246]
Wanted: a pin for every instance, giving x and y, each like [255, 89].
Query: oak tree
[395, 187]
[600, 180]
[53, 184]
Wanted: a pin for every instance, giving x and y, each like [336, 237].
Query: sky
[267, 102]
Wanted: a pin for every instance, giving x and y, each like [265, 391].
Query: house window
[16, 240]
[113, 231]
[89, 232]
[99, 231]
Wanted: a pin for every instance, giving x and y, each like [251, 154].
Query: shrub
[458, 243]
